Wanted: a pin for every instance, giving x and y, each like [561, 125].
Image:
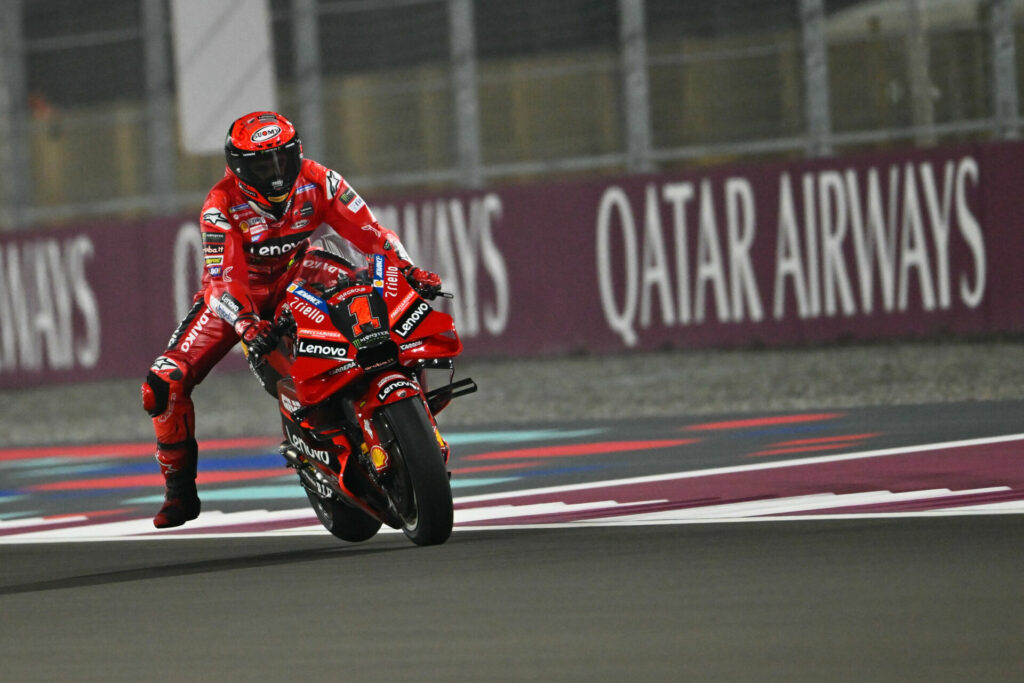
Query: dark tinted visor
[272, 171]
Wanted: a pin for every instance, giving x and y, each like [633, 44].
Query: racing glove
[257, 334]
[423, 281]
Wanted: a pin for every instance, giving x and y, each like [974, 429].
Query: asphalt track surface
[868, 544]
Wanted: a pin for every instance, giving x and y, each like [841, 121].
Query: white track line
[774, 509]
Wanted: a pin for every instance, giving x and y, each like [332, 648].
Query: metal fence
[432, 94]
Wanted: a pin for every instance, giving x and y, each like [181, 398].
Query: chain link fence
[434, 94]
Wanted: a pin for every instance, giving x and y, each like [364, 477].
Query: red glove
[257, 334]
[423, 281]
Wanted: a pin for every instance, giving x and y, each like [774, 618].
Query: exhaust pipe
[292, 456]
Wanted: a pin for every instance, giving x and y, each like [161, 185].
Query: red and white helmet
[264, 154]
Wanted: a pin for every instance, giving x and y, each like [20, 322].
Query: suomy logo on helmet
[265, 133]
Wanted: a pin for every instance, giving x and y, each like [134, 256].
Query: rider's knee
[165, 378]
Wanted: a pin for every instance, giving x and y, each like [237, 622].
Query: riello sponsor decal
[49, 314]
[872, 241]
[456, 238]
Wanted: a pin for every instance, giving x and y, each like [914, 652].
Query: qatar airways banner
[901, 245]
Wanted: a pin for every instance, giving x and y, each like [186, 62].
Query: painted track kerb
[754, 467]
[611, 511]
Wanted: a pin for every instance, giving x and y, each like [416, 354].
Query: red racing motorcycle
[350, 375]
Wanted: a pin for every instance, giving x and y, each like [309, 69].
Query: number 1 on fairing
[359, 307]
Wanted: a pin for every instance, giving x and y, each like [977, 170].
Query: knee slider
[155, 393]
[163, 375]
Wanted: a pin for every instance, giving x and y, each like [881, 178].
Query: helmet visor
[272, 171]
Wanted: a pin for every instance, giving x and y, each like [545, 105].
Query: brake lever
[430, 296]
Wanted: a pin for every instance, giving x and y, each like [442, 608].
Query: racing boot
[181, 500]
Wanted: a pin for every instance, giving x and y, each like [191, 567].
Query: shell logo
[379, 458]
[265, 133]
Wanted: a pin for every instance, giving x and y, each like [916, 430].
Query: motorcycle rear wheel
[417, 478]
[344, 521]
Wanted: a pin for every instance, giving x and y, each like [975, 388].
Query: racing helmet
[264, 153]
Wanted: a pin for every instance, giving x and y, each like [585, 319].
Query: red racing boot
[181, 501]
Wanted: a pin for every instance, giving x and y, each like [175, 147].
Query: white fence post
[467, 102]
[636, 86]
[817, 101]
[14, 129]
[306, 40]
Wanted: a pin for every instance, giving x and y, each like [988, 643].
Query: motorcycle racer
[254, 221]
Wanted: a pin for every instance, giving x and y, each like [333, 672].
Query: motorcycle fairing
[350, 334]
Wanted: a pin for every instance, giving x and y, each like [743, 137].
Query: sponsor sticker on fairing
[342, 368]
[392, 279]
[403, 385]
[308, 297]
[309, 311]
[300, 445]
[399, 309]
[412, 319]
[349, 292]
[370, 339]
[314, 333]
[378, 273]
[321, 348]
[290, 404]
[379, 458]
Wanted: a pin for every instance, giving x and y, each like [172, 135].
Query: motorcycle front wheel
[416, 481]
[344, 521]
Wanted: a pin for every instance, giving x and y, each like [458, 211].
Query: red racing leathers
[247, 256]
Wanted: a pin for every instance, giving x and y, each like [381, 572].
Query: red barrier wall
[905, 244]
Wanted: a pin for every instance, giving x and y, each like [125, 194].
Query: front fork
[384, 390]
[373, 454]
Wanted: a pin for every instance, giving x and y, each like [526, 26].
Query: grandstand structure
[431, 95]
